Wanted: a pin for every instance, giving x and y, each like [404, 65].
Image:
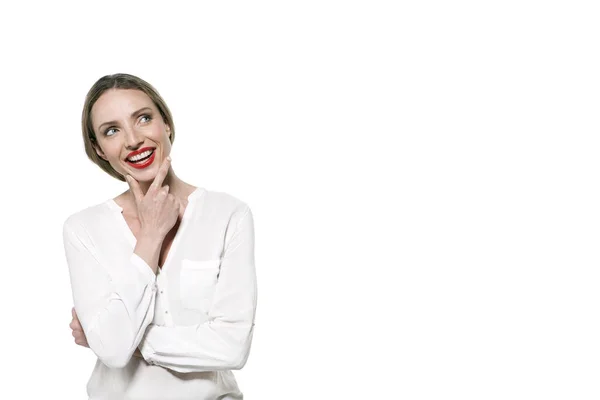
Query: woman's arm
[114, 305]
[79, 335]
[223, 342]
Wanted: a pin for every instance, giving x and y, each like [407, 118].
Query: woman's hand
[157, 210]
[77, 333]
[79, 336]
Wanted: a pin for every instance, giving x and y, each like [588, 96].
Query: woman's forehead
[119, 103]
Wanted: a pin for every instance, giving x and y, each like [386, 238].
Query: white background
[423, 177]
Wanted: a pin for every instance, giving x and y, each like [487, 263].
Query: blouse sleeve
[223, 342]
[114, 305]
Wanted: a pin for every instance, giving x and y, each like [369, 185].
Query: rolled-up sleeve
[223, 341]
[114, 305]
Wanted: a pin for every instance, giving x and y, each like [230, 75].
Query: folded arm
[223, 342]
[115, 305]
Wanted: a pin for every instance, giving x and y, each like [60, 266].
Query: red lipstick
[141, 164]
[135, 153]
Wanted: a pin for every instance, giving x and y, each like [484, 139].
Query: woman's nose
[133, 138]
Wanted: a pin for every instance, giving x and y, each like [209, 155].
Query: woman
[162, 275]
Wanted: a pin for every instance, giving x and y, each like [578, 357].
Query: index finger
[73, 313]
[138, 195]
[161, 174]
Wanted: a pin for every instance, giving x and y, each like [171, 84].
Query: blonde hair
[117, 81]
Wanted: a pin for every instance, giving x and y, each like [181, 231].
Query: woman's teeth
[140, 157]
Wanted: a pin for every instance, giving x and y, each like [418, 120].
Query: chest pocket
[197, 282]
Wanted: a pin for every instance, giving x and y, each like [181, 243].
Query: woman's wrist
[148, 247]
[151, 236]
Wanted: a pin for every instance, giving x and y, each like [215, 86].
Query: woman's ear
[100, 152]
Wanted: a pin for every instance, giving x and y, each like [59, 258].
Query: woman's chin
[140, 177]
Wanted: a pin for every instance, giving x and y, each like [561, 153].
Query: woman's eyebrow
[133, 114]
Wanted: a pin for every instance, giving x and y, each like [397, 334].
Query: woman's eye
[148, 118]
[108, 130]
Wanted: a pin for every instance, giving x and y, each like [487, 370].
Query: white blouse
[193, 322]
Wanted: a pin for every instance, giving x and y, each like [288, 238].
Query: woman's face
[125, 121]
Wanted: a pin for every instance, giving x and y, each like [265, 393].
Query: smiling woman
[150, 297]
[136, 89]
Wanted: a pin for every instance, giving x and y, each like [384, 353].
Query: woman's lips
[145, 163]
